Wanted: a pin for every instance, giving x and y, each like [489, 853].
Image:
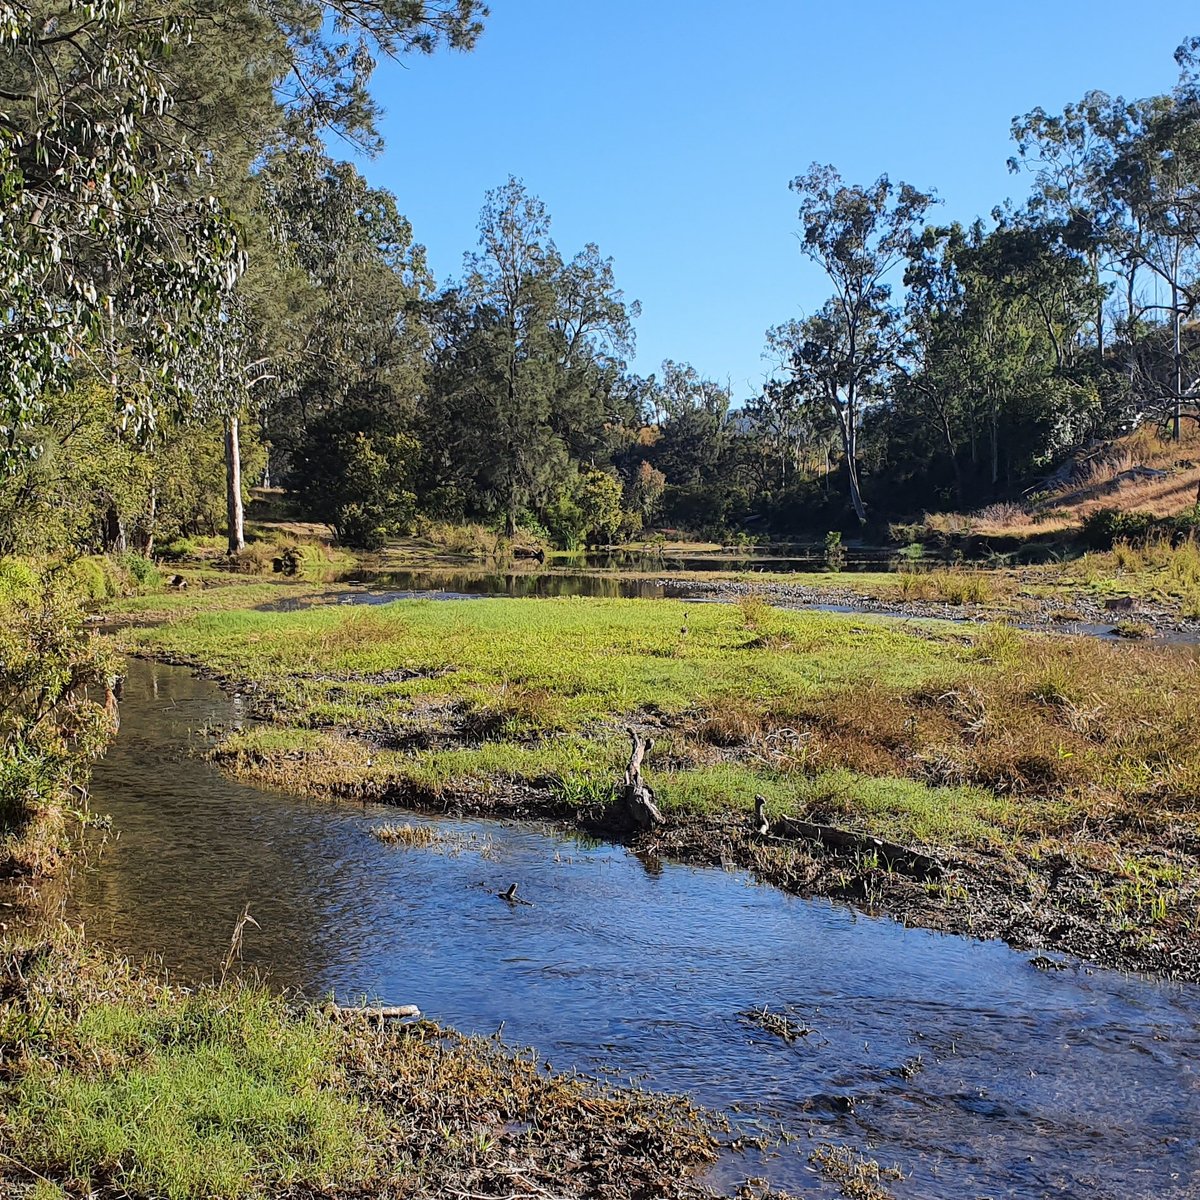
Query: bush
[92, 578]
[1106, 526]
[835, 552]
[142, 571]
[354, 472]
[256, 558]
[54, 679]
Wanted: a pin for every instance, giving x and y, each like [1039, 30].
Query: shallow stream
[973, 1071]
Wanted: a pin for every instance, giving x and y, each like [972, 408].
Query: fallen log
[891, 854]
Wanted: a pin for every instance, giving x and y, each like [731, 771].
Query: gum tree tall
[859, 235]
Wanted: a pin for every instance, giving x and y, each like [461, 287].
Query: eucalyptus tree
[1123, 180]
[113, 246]
[592, 329]
[128, 135]
[340, 303]
[1073, 157]
[697, 428]
[842, 355]
[997, 360]
[1158, 175]
[793, 433]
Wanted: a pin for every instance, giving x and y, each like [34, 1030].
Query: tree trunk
[151, 518]
[995, 444]
[233, 488]
[1177, 400]
[510, 517]
[846, 424]
[856, 500]
[114, 530]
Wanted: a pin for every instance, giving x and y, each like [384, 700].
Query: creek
[959, 1061]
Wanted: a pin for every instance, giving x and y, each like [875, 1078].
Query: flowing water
[976, 1073]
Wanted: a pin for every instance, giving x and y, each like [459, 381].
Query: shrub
[354, 473]
[1106, 526]
[256, 558]
[835, 552]
[1004, 513]
[142, 571]
[54, 678]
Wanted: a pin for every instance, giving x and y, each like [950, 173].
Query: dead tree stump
[635, 792]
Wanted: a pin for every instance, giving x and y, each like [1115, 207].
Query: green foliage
[835, 552]
[217, 1094]
[1103, 528]
[356, 473]
[54, 680]
[566, 523]
[590, 513]
[93, 486]
[527, 382]
[646, 492]
[108, 240]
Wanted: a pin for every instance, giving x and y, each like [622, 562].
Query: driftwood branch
[376, 1012]
[637, 795]
[891, 854]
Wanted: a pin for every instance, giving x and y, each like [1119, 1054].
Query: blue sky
[667, 133]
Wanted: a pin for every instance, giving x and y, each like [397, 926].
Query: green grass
[920, 732]
[118, 1084]
[557, 663]
[219, 1092]
[210, 590]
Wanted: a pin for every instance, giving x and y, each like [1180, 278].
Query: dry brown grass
[414, 836]
[855, 1176]
[1077, 734]
[1096, 484]
[731, 722]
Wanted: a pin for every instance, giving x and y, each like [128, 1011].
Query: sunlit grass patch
[927, 732]
[896, 808]
[219, 1093]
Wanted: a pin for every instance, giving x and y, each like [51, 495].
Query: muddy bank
[1077, 613]
[1036, 903]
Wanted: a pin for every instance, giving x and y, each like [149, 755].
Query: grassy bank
[1058, 774]
[116, 1084]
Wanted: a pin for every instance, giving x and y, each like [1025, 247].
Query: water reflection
[976, 1073]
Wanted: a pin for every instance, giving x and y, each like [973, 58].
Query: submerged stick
[510, 895]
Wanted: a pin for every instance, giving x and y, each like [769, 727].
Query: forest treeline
[199, 298]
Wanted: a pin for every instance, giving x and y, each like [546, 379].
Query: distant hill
[1141, 472]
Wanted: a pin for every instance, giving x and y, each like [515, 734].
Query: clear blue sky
[667, 132]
